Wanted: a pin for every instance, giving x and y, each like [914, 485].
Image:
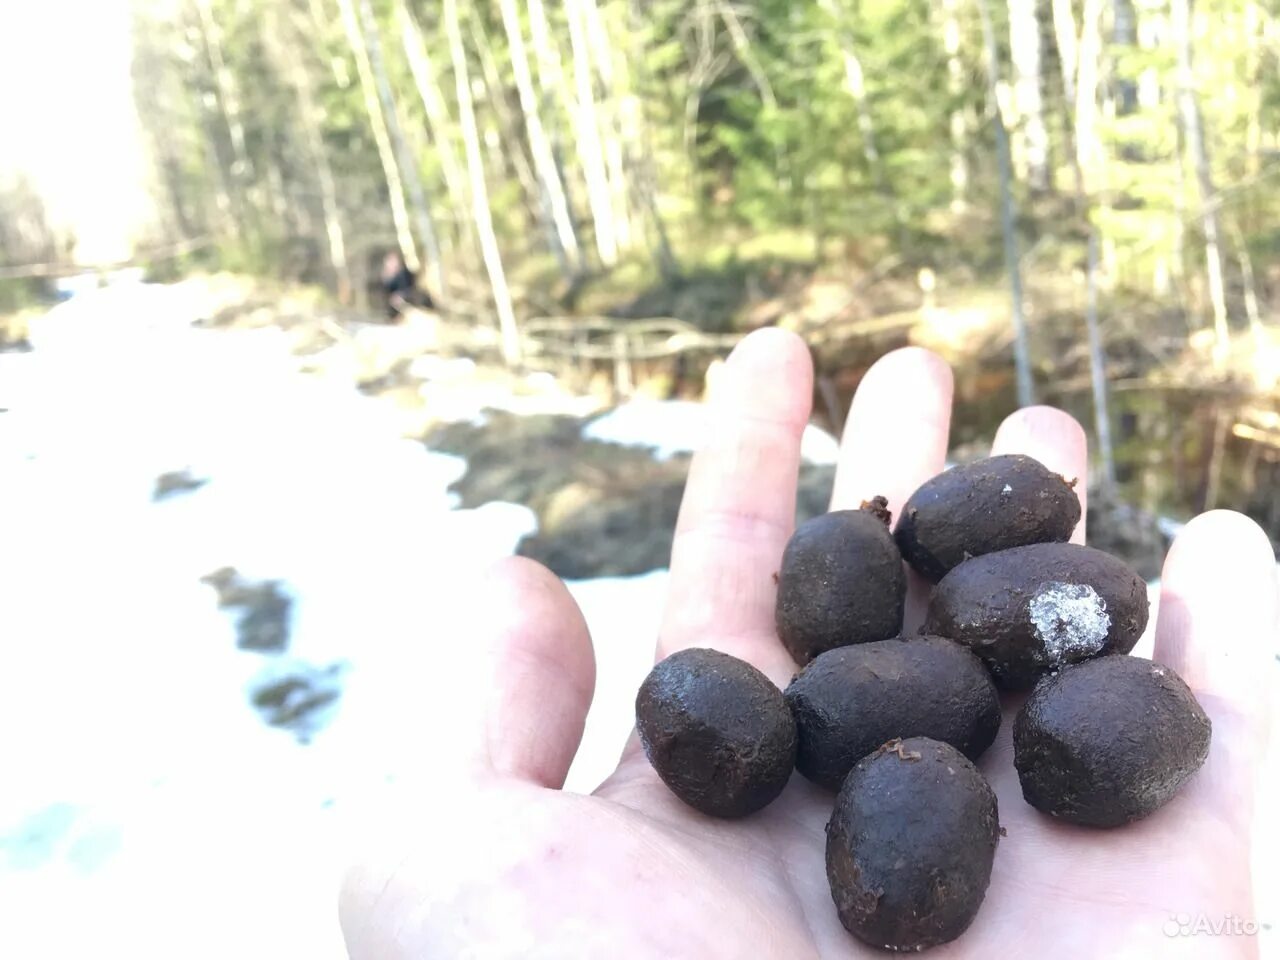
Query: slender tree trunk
[275, 190]
[855, 83]
[787, 176]
[1252, 309]
[958, 121]
[647, 180]
[742, 47]
[1021, 345]
[1031, 140]
[1098, 368]
[1064, 35]
[550, 68]
[506, 146]
[1068, 43]
[479, 192]
[224, 86]
[1124, 33]
[1088, 147]
[544, 160]
[309, 120]
[613, 135]
[439, 123]
[1217, 455]
[228, 221]
[381, 136]
[408, 167]
[284, 42]
[1069, 53]
[702, 71]
[555, 98]
[590, 148]
[1178, 258]
[1189, 112]
[1253, 21]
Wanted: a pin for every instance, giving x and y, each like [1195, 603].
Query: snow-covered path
[145, 808]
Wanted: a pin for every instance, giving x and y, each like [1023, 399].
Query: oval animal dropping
[841, 582]
[717, 731]
[849, 701]
[981, 507]
[1033, 609]
[1107, 742]
[910, 845]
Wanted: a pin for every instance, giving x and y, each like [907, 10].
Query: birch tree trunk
[1069, 53]
[439, 123]
[613, 137]
[224, 87]
[539, 144]
[1021, 345]
[1098, 367]
[1252, 309]
[586, 128]
[479, 192]
[1253, 22]
[1068, 43]
[647, 179]
[958, 123]
[408, 168]
[855, 83]
[309, 120]
[1124, 33]
[1189, 113]
[228, 220]
[381, 136]
[1031, 139]
[1089, 153]
[506, 146]
[550, 67]
[555, 97]
[742, 47]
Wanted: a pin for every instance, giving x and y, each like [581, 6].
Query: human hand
[511, 865]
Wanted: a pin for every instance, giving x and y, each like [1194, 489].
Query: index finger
[739, 505]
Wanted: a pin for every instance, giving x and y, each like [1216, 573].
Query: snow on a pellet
[146, 808]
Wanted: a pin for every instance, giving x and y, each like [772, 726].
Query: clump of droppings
[1109, 741]
[910, 845]
[841, 582]
[717, 732]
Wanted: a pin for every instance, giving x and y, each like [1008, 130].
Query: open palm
[511, 865]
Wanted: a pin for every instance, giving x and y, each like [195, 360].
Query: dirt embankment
[603, 509]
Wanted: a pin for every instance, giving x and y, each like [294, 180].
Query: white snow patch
[1070, 620]
[670, 427]
[1006, 489]
[623, 615]
[138, 773]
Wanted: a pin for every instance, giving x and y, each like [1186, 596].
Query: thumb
[534, 674]
[1217, 628]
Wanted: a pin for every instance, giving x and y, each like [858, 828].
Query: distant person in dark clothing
[400, 285]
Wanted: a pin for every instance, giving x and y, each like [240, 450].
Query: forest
[1069, 197]
[520, 151]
